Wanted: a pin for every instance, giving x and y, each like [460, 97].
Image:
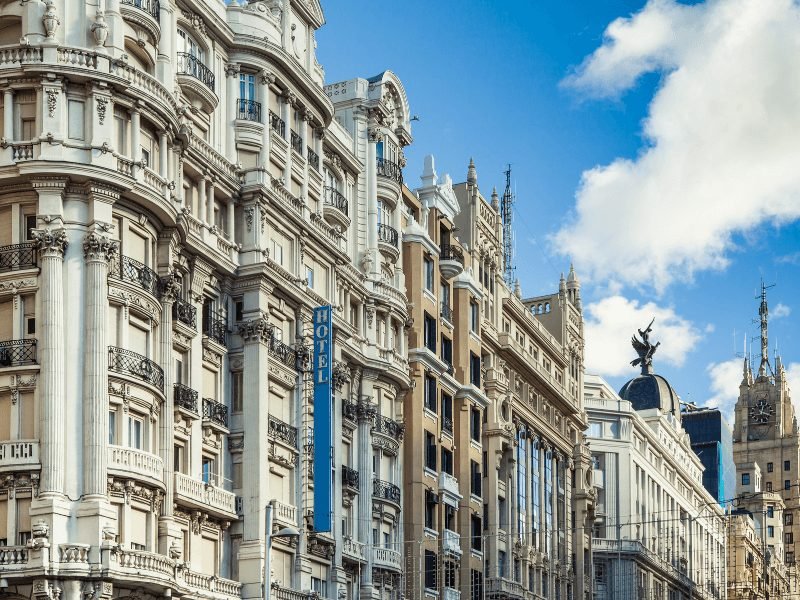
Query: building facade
[179, 190]
[658, 533]
[712, 440]
[494, 448]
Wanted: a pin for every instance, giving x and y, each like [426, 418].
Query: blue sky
[650, 152]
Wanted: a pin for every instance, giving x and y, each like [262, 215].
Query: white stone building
[175, 198]
[657, 533]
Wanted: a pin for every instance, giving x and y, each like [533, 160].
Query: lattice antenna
[763, 313]
[506, 213]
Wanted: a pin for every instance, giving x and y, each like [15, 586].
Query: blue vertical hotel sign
[323, 419]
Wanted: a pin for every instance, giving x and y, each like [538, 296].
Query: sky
[652, 144]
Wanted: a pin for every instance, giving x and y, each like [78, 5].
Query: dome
[651, 391]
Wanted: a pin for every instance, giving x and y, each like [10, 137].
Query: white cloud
[720, 155]
[610, 323]
[780, 310]
[724, 380]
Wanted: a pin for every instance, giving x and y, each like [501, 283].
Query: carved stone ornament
[232, 69]
[99, 247]
[268, 8]
[258, 329]
[340, 375]
[249, 214]
[102, 106]
[51, 242]
[50, 19]
[52, 101]
[374, 134]
[267, 77]
[100, 29]
[170, 287]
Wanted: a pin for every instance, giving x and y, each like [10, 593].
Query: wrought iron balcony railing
[383, 490]
[313, 158]
[349, 410]
[447, 312]
[249, 110]
[130, 363]
[336, 199]
[283, 432]
[277, 124]
[18, 256]
[450, 252]
[16, 353]
[189, 64]
[349, 477]
[389, 427]
[185, 397]
[214, 325]
[185, 312]
[151, 7]
[388, 235]
[283, 352]
[391, 170]
[297, 143]
[447, 425]
[215, 412]
[131, 270]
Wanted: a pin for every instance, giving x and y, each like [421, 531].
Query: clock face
[762, 411]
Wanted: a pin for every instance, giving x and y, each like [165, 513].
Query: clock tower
[766, 434]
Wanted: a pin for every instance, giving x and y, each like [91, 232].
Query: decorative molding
[52, 101]
[51, 243]
[99, 247]
[102, 106]
[257, 330]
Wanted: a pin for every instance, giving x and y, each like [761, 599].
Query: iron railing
[297, 143]
[130, 363]
[349, 410]
[313, 158]
[131, 270]
[18, 256]
[189, 64]
[151, 7]
[185, 312]
[383, 490]
[388, 235]
[249, 110]
[277, 124]
[15, 353]
[283, 352]
[283, 432]
[450, 252]
[185, 397]
[215, 412]
[335, 198]
[447, 312]
[214, 325]
[389, 427]
[349, 477]
[389, 169]
[447, 424]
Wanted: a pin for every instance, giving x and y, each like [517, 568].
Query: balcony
[188, 64]
[451, 261]
[390, 170]
[447, 425]
[451, 543]
[350, 478]
[215, 412]
[214, 325]
[185, 312]
[13, 558]
[448, 486]
[335, 199]
[313, 158]
[151, 7]
[284, 514]
[384, 558]
[17, 353]
[135, 365]
[277, 124]
[126, 461]
[297, 143]
[449, 593]
[197, 80]
[185, 398]
[199, 494]
[389, 434]
[282, 593]
[19, 453]
[446, 312]
[353, 550]
[283, 353]
[385, 491]
[18, 256]
[388, 240]
[500, 587]
[248, 110]
[140, 275]
[282, 432]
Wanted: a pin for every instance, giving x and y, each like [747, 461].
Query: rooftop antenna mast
[506, 213]
[763, 313]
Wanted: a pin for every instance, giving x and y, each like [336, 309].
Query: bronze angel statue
[644, 348]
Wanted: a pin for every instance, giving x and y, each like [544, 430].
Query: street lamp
[286, 532]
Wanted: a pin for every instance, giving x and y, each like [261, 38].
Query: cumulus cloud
[724, 379]
[720, 154]
[780, 310]
[610, 322]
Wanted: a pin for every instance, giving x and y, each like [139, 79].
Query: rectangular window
[477, 584]
[430, 570]
[769, 486]
[477, 534]
[473, 316]
[179, 458]
[450, 574]
[430, 393]
[502, 564]
[112, 427]
[236, 391]
[75, 118]
[320, 586]
[475, 370]
[30, 225]
[787, 465]
[428, 265]
[447, 461]
[209, 474]
[745, 478]
[430, 451]
[447, 413]
[787, 484]
[430, 509]
[430, 333]
[769, 467]
[475, 478]
[788, 538]
[789, 558]
[475, 424]
[135, 432]
[447, 351]
[310, 276]
[770, 511]
[770, 531]
[788, 519]
[247, 86]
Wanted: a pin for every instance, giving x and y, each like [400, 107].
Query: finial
[472, 174]
[495, 199]
[517, 289]
[429, 177]
[644, 349]
[562, 283]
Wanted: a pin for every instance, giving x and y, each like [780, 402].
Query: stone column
[232, 71]
[52, 243]
[136, 144]
[288, 98]
[306, 132]
[366, 414]
[98, 250]
[199, 211]
[163, 161]
[230, 214]
[8, 114]
[267, 79]
[210, 203]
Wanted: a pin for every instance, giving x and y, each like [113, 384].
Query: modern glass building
[712, 439]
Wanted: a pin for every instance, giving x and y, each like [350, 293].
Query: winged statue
[644, 348]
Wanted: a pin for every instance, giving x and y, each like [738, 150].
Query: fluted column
[210, 203]
[98, 250]
[52, 243]
[267, 79]
[288, 98]
[366, 414]
[170, 289]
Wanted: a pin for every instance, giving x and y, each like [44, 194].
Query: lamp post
[286, 532]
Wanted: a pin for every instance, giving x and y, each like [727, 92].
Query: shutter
[209, 383]
[137, 532]
[27, 419]
[208, 550]
[137, 340]
[5, 416]
[136, 246]
[6, 319]
[23, 516]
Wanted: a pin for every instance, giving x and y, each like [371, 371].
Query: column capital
[170, 287]
[288, 97]
[267, 77]
[232, 69]
[257, 330]
[51, 243]
[99, 247]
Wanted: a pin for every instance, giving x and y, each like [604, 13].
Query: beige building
[176, 198]
[494, 448]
